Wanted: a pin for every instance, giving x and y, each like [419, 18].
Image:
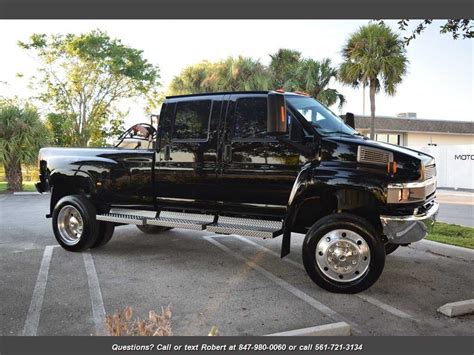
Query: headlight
[409, 192]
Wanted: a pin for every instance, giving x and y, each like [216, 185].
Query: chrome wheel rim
[70, 225]
[343, 255]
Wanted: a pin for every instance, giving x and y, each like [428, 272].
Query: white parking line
[385, 307]
[34, 312]
[390, 309]
[285, 285]
[98, 310]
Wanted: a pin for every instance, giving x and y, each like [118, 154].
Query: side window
[250, 118]
[192, 120]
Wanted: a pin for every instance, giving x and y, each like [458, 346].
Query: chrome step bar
[246, 227]
[221, 225]
[181, 220]
[121, 218]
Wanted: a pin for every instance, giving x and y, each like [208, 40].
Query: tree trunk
[372, 109]
[14, 177]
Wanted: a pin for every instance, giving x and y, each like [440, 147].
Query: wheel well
[360, 203]
[65, 187]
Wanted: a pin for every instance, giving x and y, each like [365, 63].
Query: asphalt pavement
[238, 284]
[456, 207]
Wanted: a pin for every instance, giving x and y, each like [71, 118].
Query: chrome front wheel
[343, 255]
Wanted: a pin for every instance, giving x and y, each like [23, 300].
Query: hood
[396, 149]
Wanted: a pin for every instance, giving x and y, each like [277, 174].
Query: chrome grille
[430, 171]
[373, 156]
[429, 189]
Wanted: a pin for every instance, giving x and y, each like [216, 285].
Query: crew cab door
[131, 178]
[185, 169]
[257, 170]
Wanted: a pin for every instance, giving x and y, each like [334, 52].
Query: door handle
[167, 152]
[227, 153]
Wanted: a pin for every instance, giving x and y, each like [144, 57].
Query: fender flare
[308, 185]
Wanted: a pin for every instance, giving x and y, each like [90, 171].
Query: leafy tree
[21, 135]
[241, 74]
[61, 128]
[286, 70]
[197, 78]
[313, 77]
[231, 74]
[374, 56]
[457, 28]
[84, 77]
[282, 65]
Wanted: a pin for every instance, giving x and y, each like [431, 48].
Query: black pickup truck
[255, 164]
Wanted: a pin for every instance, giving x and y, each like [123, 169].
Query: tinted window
[192, 119]
[250, 118]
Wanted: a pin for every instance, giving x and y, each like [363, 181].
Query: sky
[438, 85]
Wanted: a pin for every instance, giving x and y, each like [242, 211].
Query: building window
[389, 138]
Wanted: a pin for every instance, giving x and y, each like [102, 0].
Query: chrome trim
[195, 221]
[412, 185]
[243, 230]
[121, 218]
[362, 151]
[409, 229]
[419, 191]
[177, 223]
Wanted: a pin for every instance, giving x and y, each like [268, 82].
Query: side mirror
[276, 114]
[349, 119]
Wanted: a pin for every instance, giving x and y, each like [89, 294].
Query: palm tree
[21, 135]
[194, 79]
[232, 74]
[313, 77]
[242, 74]
[282, 65]
[374, 56]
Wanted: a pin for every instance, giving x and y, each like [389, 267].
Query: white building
[416, 132]
[450, 142]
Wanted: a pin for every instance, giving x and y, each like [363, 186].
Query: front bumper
[409, 229]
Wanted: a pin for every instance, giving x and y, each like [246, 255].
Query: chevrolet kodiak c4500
[255, 164]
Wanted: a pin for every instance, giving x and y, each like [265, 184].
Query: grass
[452, 234]
[27, 186]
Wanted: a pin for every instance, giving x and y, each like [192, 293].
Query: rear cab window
[250, 118]
[191, 120]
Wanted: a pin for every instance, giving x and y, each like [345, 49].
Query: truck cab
[257, 164]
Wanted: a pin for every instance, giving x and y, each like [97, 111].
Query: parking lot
[240, 285]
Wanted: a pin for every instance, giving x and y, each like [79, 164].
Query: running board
[246, 227]
[222, 225]
[181, 220]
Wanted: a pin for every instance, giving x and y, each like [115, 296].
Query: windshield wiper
[345, 133]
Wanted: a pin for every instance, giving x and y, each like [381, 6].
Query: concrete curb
[26, 193]
[332, 329]
[444, 249]
[455, 309]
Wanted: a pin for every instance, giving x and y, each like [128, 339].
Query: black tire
[153, 229]
[390, 248]
[86, 211]
[361, 228]
[106, 231]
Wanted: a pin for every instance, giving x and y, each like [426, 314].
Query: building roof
[395, 124]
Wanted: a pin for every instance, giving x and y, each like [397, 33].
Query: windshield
[319, 116]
